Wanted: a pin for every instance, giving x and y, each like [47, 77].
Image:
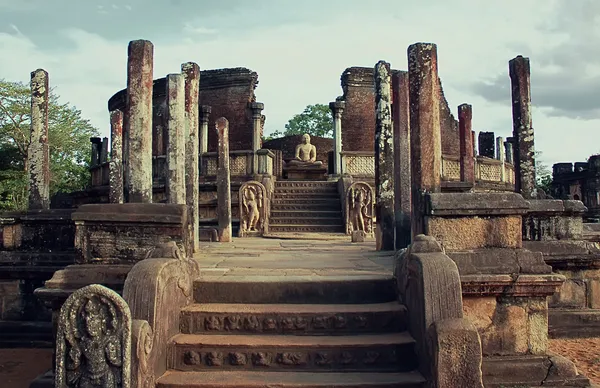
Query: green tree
[68, 140]
[316, 120]
[543, 175]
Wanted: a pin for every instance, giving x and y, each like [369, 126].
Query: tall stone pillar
[384, 159]
[191, 72]
[138, 123]
[486, 144]
[501, 156]
[401, 125]
[508, 149]
[467, 159]
[473, 140]
[96, 150]
[524, 151]
[115, 194]
[38, 154]
[337, 108]
[203, 140]
[104, 151]
[257, 108]
[176, 139]
[425, 132]
[223, 181]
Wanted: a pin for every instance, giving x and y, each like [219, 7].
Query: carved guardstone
[360, 208]
[93, 343]
[253, 209]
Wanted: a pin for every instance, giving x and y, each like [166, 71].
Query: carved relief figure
[93, 347]
[306, 154]
[360, 208]
[253, 212]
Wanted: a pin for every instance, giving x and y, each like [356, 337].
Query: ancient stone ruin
[394, 254]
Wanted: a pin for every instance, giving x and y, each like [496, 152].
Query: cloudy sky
[300, 48]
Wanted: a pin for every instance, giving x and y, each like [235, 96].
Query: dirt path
[18, 367]
[584, 352]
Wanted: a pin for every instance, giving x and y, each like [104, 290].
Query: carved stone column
[116, 157]
[176, 139]
[384, 159]
[223, 181]
[467, 159]
[138, 123]
[38, 154]
[337, 108]
[203, 140]
[501, 157]
[257, 108]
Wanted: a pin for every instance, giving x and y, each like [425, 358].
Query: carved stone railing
[493, 170]
[450, 168]
[240, 163]
[265, 161]
[358, 164]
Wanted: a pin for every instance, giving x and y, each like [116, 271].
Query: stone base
[581, 323]
[358, 236]
[305, 173]
[45, 380]
[531, 371]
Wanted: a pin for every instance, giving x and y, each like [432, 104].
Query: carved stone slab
[93, 341]
[360, 208]
[253, 209]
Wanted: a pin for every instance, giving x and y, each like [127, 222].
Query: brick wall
[358, 118]
[287, 145]
[449, 127]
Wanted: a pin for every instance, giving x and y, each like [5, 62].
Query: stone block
[473, 232]
[358, 236]
[572, 293]
[11, 308]
[593, 293]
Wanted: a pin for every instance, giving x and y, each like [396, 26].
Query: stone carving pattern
[510, 174]
[450, 169]
[237, 165]
[93, 343]
[360, 208]
[253, 210]
[490, 172]
[360, 165]
[211, 166]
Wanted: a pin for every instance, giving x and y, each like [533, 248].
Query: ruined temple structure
[195, 260]
[579, 181]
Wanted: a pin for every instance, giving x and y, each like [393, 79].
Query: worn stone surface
[38, 154]
[384, 157]
[358, 119]
[176, 139]
[425, 137]
[524, 152]
[337, 109]
[486, 144]
[138, 124]
[93, 342]
[116, 157]
[253, 209]
[223, 181]
[467, 161]
[360, 209]
[402, 186]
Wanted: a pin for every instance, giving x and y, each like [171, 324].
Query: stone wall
[10, 300]
[579, 181]
[448, 127]
[287, 145]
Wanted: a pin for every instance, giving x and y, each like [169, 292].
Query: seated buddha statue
[306, 154]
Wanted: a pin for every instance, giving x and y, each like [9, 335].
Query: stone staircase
[294, 331]
[306, 206]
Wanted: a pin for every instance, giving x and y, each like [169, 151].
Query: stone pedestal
[317, 173]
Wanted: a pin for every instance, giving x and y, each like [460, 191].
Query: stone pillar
[402, 190]
[223, 181]
[104, 151]
[425, 132]
[115, 194]
[473, 140]
[191, 73]
[337, 108]
[486, 145]
[257, 108]
[524, 152]
[508, 148]
[467, 159]
[176, 139]
[501, 156]
[138, 124]
[96, 150]
[203, 140]
[38, 154]
[384, 159]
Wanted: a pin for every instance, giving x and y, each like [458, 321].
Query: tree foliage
[543, 175]
[68, 139]
[316, 120]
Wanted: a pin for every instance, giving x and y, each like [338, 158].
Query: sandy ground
[19, 366]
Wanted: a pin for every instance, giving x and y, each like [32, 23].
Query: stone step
[262, 379]
[295, 289]
[306, 207]
[330, 221]
[305, 184]
[317, 201]
[26, 334]
[304, 195]
[310, 319]
[380, 352]
[287, 228]
[324, 213]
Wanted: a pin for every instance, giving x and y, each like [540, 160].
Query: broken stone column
[402, 190]
[486, 144]
[524, 152]
[467, 158]
[104, 150]
[256, 108]
[138, 123]
[176, 139]
[425, 133]
[223, 181]
[191, 72]
[38, 154]
[96, 143]
[337, 108]
[203, 141]
[501, 157]
[508, 149]
[384, 159]
[115, 194]
[473, 140]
